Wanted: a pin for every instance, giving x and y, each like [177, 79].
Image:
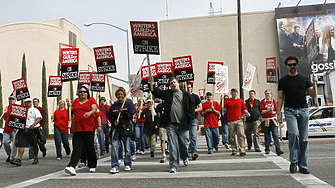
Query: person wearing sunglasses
[292, 89]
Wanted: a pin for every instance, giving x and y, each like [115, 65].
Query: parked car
[321, 122]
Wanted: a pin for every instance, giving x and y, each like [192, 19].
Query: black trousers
[83, 140]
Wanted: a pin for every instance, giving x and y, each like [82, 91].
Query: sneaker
[68, 156]
[279, 153]
[113, 171]
[127, 168]
[194, 156]
[92, 170]
[226, 146]
[31, 159]
[35, 161]
[102, 153]
[98, 156]
[142, 152]
[267, 152]
[172, 170]
[70, 170]
[8, 159]
[186, 162]
[233, 153]
[163, 160]
[216, 148]
[293, 167]
[44, 154]
[152, 154]
[133, 157]
[258, 150]
[81, 165]
[167, 151]
[138, 152]
[16, 162]
[210, 151]
[304, 171]
[243, 153]
[58, 158]
[249, 148]
[271, 143]
[223, 142]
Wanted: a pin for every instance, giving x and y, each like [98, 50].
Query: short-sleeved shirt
[33, 114]
[104, 111]
[80, 123]
[294, 89]
[196, 102]
[266, 105]
[211, 119]
[61, 120]
[234, 109]
[176, 114]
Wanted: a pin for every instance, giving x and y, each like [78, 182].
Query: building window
[72, 39]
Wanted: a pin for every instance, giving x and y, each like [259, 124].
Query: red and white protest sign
[64, 46]
[55, 86]
[97, 82]
[145, 75]
[221, 79]
[164, 72]
[211, 71]
[21, 89]
[249, 77]
[105, 60]
[84, 79]
[183, 68]
[135, 85]
[69, 64]
[17, 116]
[201, 92]
[89, 68]
[145, 37]
[271, 68]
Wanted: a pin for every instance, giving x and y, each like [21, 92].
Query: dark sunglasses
[292, 64]
[82, 91]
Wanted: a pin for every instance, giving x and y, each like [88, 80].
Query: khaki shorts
[162, 134]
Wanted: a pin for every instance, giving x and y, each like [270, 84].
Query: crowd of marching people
[125, 129]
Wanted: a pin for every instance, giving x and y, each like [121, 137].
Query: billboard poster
[271, 70]
[221, 78]
[105, 59]
[183, 68]
[145, 37]
[69, 64]
[84, 79]
[249, 77]
[55, 86]
[97, 82]
[164, 72]
[21, 89]
[211, 71]
[296, 37]
[135, 85]
[17, 116]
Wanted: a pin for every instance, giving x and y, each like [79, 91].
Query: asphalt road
[217, 170]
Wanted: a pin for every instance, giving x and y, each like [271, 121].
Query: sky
[120, 12]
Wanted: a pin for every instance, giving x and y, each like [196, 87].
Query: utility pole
[239, 36]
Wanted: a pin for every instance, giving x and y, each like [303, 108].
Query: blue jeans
[225, 134]
[116, 148]
[271, 132]
[140, 138]
[96, 141]
[61, 137]
[192, 148]
[41, 146]
[178, 138]
[7, 139]
[102, 136]
[297, 127]
[212, 137]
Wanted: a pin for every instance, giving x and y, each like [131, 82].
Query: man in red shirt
[210, 112]
[235, 107]
[103, 135]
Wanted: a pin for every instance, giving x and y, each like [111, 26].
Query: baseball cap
[28, 100]
[208, 94]
[11, 97]
[149, 100]
[103, 98]
[234, 89]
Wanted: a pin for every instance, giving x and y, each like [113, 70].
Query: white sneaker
[92, 170]
[172, 170]
[70, 170]
[127, 168]
[58, 158]
[81, 165]
[133, 157]
[142, 152]
[185, 162]
[113, 171]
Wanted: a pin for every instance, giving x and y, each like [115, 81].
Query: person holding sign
[211, 112]
[61, 129]
[28, 137]
[83, 110]
[120, 115]
[8, 133]
[177, 115]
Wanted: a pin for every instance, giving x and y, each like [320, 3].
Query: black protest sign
[211, 71]
[69, 64]
[183, 68]
[271, 70]
[97, 82]
[21, 89]
[164, 72]
[16, 116]
[84, 80]
[145, 77]
[105, 59]
[145, 37]
[55, 86]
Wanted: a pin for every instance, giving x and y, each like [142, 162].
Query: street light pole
[119, 28]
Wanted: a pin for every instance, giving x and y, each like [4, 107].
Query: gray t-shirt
[177, 110]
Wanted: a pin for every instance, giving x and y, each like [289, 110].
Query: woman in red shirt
[269, 121]
[83, 130]
[61, 129]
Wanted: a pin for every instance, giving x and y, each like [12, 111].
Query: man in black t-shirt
[192, 149]
[293, 87]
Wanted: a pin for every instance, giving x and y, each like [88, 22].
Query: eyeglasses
[292, 64]
[82, 91]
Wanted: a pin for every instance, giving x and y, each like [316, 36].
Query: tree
[24, 70]
[1, 102]
[45, 100]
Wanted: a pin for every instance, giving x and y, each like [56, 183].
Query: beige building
[39, 41]
[214, 38]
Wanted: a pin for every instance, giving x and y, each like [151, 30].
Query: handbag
[127, 129]
[40, 136]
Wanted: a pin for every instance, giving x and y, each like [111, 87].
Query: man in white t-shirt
[28, 137]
